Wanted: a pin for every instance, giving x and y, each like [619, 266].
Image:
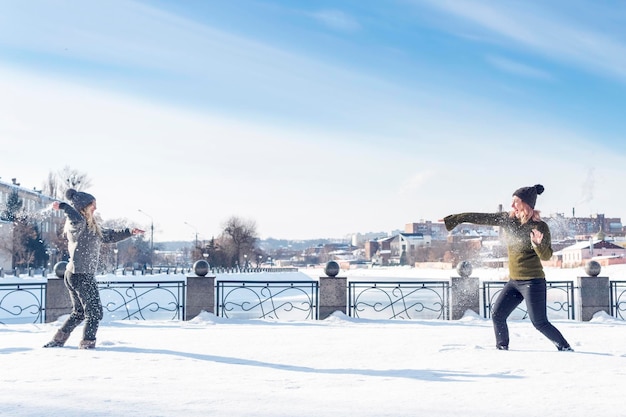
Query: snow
[210, 366]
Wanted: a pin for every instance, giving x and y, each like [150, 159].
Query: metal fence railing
[289, 300]
[618, 299]
[560, 300]
[293, 300]
[145, 300]
[22, 303]
[399, 300]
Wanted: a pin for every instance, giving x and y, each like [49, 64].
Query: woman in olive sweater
[528, 243]
[84, 238]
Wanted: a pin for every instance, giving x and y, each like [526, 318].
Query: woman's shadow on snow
[427, 375]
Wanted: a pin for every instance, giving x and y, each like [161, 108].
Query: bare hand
[55, 205]
[536, 236]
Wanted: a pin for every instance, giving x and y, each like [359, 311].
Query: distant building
[404, 248]
[399, 249]
[378, 251]
[578, 254]
[436, 231]
[581, 228]
[34, 202]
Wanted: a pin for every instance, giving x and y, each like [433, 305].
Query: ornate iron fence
[22, 303]
[238, 270]
[399, 300]
[618, 299]
[165, 300]
[560, 300]
[293, 300]
[146, 300]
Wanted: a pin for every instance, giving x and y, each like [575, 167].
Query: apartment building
[37, 205]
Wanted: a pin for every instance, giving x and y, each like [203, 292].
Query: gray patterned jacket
[84, 245]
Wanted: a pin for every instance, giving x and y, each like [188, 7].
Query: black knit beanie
[529, 194]
[79, 199]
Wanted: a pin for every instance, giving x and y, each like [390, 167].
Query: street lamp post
[151, 234]
[117, 259]
[195, 230]
[196, 248]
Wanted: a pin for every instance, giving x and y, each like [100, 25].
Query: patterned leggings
[86, 304]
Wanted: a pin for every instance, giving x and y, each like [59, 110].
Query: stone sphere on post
[331, 269]
[201, 268]
[464, 269]
[593, 268]
[59, 269]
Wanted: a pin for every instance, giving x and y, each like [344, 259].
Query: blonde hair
[528, 213]
[92, 224]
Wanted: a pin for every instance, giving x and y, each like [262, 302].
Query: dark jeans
[86, 304]
[534, 292]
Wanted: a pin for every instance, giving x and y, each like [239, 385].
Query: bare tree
[58, 182]
[130, 252]
[241, 236]
[75, 179]
[51, 186]
[23, 234]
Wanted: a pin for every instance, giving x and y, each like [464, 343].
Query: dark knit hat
[79, 199]
[529, 194]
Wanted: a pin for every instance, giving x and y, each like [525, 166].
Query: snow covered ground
[340, 366]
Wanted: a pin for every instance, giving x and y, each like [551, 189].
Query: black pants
[534, 292]
[86, 304]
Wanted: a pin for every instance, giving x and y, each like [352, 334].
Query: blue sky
[316, 118]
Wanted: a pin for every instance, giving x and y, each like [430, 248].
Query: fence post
[464, 292]
[594, 292]
[58, 300]
[333, 292]
[200, 291]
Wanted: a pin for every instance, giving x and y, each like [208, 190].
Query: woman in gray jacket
[84, 237]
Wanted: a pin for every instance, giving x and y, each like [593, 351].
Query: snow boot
[87, 344]
[58, 340]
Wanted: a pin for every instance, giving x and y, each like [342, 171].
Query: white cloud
[200, 167]
[539, 29]
[519, 69]
[414, 182]
[338, 20]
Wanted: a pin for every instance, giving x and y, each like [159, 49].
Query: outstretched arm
[487, 219]
[112, 235]
[74, 216]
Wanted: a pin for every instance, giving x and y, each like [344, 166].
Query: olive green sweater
[524, 256]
